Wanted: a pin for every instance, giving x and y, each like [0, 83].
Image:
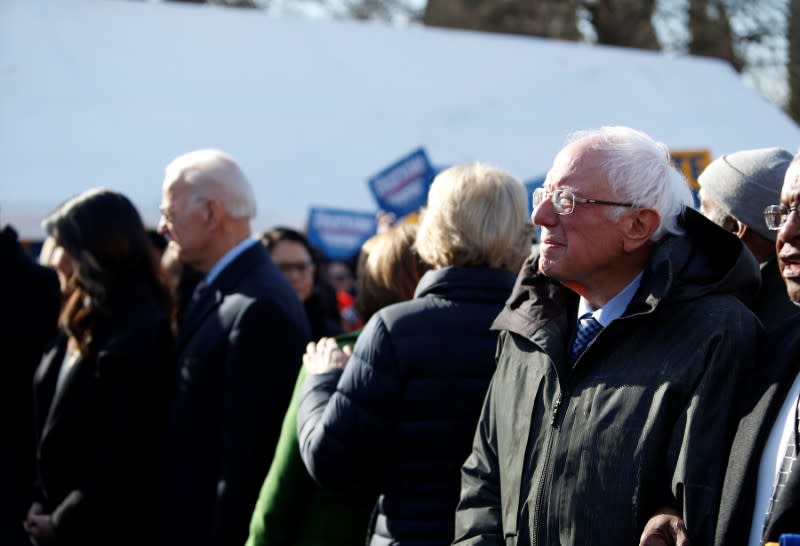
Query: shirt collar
[229, 256]
[614, 308]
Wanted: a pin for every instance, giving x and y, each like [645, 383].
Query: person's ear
[213, 212]
[638, 226]
[741, 230]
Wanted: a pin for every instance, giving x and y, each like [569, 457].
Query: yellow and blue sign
[691, 163]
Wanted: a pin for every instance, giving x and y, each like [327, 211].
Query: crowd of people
[632, 378]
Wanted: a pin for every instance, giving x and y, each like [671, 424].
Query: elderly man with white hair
[238, 351]
[619, 352]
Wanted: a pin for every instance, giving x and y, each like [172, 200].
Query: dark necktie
[588, 328]
[199, 291]
[787, 464]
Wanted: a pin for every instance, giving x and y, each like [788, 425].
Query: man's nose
[791, 229]
[162, 226]
[544, 214]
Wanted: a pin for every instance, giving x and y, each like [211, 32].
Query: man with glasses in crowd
[761, 497]
[621, 347]
[734, 190]
[238, 351]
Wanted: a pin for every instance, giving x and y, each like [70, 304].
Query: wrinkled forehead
[790, 193]
[175, 191]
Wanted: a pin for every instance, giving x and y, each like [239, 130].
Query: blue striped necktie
[588, 328]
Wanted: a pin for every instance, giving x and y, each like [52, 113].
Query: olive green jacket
[292, 510]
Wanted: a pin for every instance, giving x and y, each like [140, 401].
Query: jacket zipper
[555, 425]
[538, 509]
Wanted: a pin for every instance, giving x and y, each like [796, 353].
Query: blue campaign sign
[339, 233]
[402, 187]
[531, 185]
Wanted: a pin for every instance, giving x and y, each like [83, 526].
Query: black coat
[31, 303]
[767, 390]
[404, 411]
[101, 435]
[238, 352]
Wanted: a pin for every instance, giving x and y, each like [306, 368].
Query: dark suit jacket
[768, 391]
[101, 435]
[238, 353]
[31, 301]
[770, 303]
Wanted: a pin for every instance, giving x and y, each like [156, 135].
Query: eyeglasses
[194, 201]
[776, 216]
[168, 215]
[300, 267]
[339, 277]
[564, 200]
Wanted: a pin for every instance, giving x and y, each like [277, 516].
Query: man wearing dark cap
[734, 191]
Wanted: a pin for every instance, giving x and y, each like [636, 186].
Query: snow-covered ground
[106, 93]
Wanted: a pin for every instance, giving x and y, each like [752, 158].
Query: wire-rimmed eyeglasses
[563, 201]
[776, 216]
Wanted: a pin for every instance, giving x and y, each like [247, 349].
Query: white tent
[106, 93]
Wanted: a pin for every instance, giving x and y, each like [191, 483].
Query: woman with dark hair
[299, 262]
[100, 391]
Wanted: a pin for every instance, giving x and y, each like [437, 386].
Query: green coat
[292, 509]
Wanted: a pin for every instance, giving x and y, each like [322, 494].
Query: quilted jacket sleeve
[346, 419]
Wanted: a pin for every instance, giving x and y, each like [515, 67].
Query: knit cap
[745, 183]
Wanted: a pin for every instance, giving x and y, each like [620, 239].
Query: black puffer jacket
[404, 411]
[583, 456]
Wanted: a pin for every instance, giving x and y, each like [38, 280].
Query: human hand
[665, 528]
[325, 355]
[39, 525]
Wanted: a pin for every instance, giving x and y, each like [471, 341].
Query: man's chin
[548, 268]
[793, 289]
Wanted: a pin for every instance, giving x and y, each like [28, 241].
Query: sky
[107, 93]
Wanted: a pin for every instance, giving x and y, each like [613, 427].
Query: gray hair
[794, 167]
[213, 173]
[640, 171]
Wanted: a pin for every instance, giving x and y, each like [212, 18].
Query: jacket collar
[50, 401]
[225, 283]
[476, 283]
[706, 259]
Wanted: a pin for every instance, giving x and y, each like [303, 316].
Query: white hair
[640, 171]
[213, 173]
[793, 171]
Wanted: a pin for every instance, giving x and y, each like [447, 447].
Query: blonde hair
[388, 269]
[476, 215]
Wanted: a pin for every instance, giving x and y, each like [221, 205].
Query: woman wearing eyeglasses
[297, 260]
